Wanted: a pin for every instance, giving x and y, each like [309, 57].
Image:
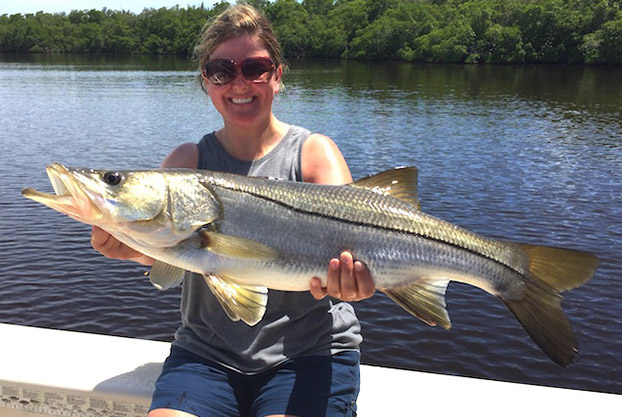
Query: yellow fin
[561, 269]
[424, 300]
[240, 302]
[551, 270]
[399, 183]
[237, 247]
[164, 276]
[541, 315]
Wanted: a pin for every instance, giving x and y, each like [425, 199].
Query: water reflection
[573, 87]
[96, 62]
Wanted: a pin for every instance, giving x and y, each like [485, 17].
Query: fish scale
[369, 208]
[390, 260]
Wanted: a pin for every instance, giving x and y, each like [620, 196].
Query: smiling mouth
[242, 100]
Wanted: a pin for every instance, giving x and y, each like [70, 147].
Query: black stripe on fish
[236, 188]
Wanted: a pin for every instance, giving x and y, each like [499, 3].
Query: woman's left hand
[347, 280]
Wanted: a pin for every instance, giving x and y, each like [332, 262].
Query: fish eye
[112, 178]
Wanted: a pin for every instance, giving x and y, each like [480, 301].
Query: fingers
[316, 289]
[334, 278]
[347, 280]
[99, 238]
[364, 283]
[109, 246]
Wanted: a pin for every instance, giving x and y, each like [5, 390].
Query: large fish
[246, 235]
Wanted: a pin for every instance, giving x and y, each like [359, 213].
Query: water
[521, 153]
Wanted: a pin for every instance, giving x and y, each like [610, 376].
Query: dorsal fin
[399, 182]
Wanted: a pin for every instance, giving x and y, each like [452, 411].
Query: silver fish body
[246, 235]
[307, 224]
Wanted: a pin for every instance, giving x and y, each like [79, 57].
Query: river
[525, 153]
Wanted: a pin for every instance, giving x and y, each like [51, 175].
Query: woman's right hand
[110, 247]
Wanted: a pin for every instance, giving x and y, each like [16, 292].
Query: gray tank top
[295, 324]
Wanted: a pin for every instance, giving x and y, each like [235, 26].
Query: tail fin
[552, 270]
[561, 269]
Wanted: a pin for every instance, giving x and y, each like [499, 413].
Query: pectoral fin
[240, 302]
[424, 300]
[237, 247]
[164, 276]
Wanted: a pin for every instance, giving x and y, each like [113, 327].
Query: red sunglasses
[223, 71]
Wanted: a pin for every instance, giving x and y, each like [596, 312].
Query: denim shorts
[307, 386]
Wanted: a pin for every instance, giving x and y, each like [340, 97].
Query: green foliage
[289, 20]
[462, 31]
[605, 44]
[161, 31]
[502, 44]
[393, 34]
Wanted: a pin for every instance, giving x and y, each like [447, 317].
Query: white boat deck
[62, 373]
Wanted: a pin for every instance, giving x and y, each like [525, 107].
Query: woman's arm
[348, 280]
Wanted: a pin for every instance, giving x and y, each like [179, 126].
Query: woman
[302, 359]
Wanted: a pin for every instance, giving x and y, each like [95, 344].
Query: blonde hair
[238, 20]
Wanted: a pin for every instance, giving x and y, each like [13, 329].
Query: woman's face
[242, 102]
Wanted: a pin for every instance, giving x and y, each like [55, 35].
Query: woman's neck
[248, 144]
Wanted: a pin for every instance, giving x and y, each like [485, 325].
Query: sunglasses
[223, 71]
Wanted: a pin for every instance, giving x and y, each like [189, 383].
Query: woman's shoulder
[185, 155]
[323, 162]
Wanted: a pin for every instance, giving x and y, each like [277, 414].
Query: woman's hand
[347, 280]
[110, 247]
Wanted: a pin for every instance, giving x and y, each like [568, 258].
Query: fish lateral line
[300, 210]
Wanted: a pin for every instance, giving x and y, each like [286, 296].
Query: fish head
[143, 208]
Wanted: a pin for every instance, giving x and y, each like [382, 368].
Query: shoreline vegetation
[435, 31]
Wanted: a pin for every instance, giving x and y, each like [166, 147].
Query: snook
[245, 235]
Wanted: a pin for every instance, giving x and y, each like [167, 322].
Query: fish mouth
[69, 198]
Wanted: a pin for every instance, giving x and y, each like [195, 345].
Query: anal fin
[424, 300]
[240, 302]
